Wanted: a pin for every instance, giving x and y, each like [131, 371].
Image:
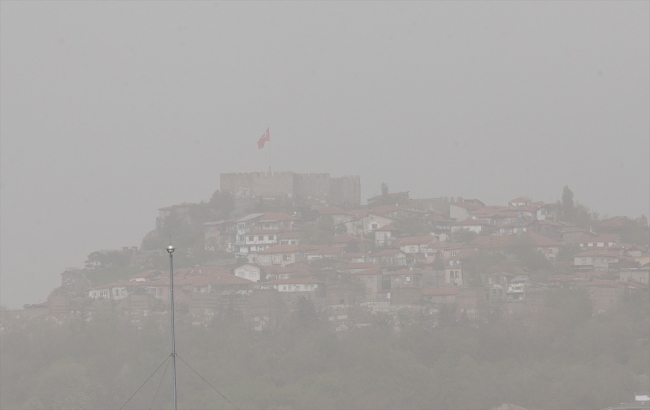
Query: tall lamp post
[170, 250]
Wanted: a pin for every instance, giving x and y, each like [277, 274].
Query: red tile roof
[415, 240]
[331, 210]
[346, 238]
[446, 245]
[541, 241]
[294, 268]
[146, 274]
[277, 216]
[353, 255]
[520, 199]
[591, 238]
[614, 222]
[384, 209]
[215, 279]
[470, 222]
[325, 250]
[372, 271]
[359, 213]
[492, 242]
[360, 265]
[292, 281]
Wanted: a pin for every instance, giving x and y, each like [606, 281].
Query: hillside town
[267, 241]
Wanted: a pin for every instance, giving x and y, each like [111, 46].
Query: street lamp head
[170, 249]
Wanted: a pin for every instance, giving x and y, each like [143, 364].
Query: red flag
[265, 137]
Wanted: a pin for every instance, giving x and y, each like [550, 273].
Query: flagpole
[270, 156]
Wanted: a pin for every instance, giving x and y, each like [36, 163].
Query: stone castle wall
[307, 188]
[256, 184]
[313, 188]
[346, 190]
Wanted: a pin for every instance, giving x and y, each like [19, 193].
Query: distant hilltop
[291, 187]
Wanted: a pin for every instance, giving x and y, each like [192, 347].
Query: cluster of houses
[371, 262]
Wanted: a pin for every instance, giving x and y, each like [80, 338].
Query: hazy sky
[110, 110]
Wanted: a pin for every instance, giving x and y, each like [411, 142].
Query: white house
[473, 225]
[293, 285]
[461, 210]
[248, 271]
[592, 240]
[416, 244]
[103, 292]
[385, 235]
[259, 231]
[518, 202]
[641, 275]
[118, 290]
[598, 259]
[282, 255]
[258, 241]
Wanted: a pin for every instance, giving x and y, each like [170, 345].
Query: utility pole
[170, 250]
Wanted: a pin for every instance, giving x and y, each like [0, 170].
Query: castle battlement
[310, 188]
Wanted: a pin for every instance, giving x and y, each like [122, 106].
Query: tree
[110, 259]
[567, 252]
[384, 189]
[463, 235]
[305, 314]
[568, 211]
[222, 204]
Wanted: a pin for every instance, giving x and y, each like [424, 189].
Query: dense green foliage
[111, 259]
[558, 358]
[462, 235]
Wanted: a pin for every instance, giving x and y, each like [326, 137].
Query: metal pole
[170, 249]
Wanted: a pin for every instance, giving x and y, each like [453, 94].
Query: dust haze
[374, 205]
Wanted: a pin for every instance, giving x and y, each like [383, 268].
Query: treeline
[559, 358]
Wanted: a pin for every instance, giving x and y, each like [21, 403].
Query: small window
[260, 238]
[251, 238]
[286, 257]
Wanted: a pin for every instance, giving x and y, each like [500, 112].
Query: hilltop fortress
[312, 189]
